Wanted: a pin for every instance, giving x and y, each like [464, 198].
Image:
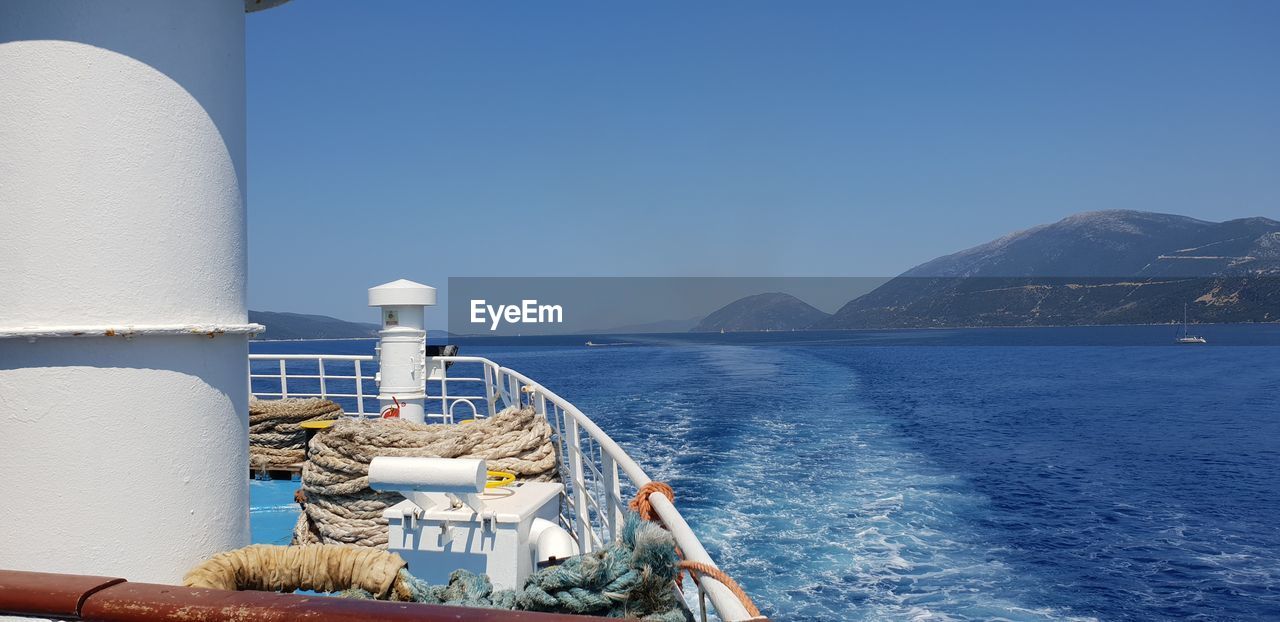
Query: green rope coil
[632, 578]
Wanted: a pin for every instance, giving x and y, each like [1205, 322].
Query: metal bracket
[411, 516]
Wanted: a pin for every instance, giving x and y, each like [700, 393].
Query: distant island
[772, 311]
[281, 325]
[1107, 267]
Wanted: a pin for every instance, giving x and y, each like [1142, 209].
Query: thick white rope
[276, 441]
[340, 508]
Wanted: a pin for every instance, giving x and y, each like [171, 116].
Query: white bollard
[123, 329]
[402, 347]
[410, 473]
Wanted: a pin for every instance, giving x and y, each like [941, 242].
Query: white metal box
[438, 539]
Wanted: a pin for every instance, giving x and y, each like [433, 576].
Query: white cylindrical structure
[123, 354]
[413, 474]
[550, 541]
[402, 347]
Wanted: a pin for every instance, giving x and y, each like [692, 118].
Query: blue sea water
[843, 481]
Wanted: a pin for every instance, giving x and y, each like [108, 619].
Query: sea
[1089, 473]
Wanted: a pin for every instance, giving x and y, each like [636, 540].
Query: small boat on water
[1187, 337]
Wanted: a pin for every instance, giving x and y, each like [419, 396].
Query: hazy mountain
[1113, 267]
[302, 326]
[773, 311]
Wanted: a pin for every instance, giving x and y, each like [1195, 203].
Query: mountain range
[1120, 243]
[1108, 267]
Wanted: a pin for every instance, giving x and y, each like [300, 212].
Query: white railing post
[445, 413]
[320, 368]
[581, 513]
[612, 494]
[491, 389]
[511, 391]
[540, 405]
[359, 390]
[284, 382]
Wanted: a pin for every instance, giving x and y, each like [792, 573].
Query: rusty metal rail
[107, 599]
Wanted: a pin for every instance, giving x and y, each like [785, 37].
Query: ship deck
[598, 474]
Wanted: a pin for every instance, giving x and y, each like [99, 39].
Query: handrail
[348, 387]
[726, 603]
[311, 357]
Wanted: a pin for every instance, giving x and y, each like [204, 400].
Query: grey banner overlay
[514, 310]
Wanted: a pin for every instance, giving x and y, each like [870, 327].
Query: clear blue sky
[436, 139]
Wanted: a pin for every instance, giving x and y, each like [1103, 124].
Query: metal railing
[597, 473]
[350, 380]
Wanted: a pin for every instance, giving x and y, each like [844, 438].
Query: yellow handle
[498, 479]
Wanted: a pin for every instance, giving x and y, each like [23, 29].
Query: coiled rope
[629, 579]
[641, 505]
[276, 441]
[340, 508]
[317, 567]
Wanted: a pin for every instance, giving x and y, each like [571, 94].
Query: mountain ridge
[1104, 267]
[1095, 240]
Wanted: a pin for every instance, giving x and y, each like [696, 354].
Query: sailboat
[1186, 337]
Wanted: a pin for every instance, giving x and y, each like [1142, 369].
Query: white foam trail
[805, 493]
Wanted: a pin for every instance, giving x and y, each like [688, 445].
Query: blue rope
[632, 578]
